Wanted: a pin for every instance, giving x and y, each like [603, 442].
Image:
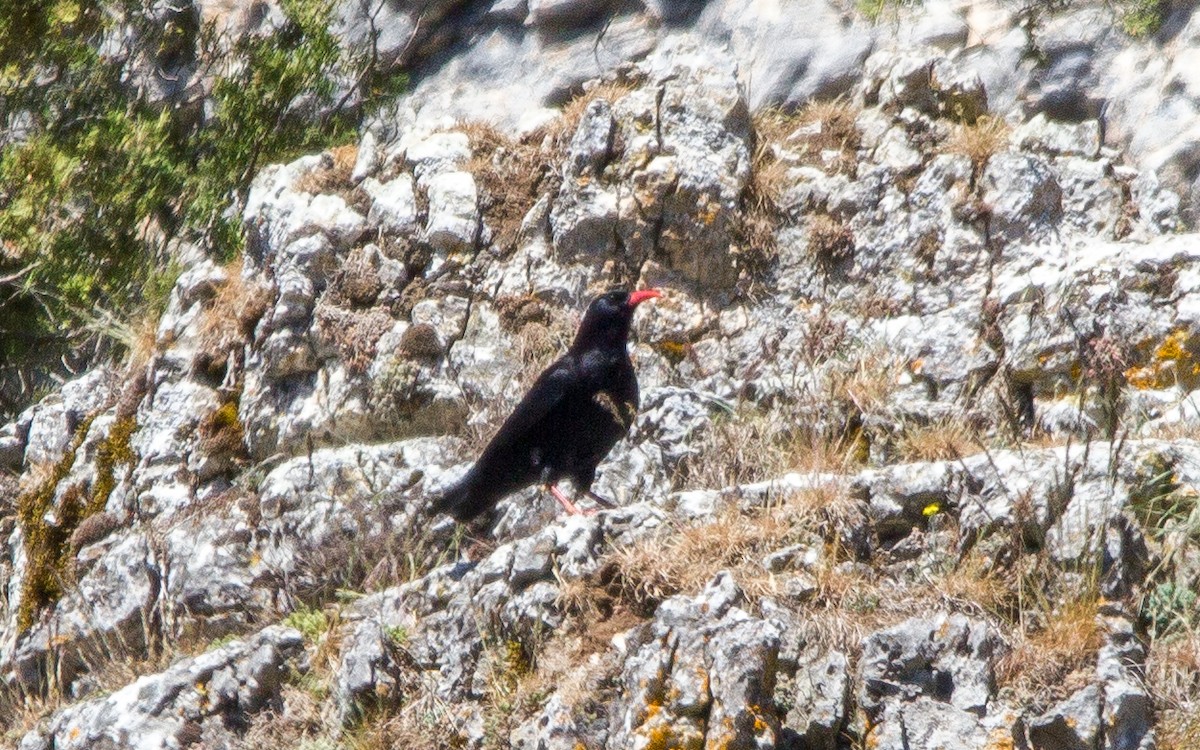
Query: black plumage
[566, 424]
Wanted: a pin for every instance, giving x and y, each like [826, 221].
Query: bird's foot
[570, 507]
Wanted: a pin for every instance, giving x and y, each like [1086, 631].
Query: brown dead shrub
[332, 174]
[228, 322]
[94, 528]
[353, 333]
[511, 174]
[421, 341]
[357, 283]
[518, 311]
[830, 241]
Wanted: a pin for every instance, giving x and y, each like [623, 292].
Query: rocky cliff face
[915, 464]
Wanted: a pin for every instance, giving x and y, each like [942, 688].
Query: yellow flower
[932, 509]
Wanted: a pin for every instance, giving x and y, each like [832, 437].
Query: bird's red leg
[570, 507]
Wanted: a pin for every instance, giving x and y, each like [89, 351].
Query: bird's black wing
[547, 392]
[499, 470]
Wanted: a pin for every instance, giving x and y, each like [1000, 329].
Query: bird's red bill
[642, 295]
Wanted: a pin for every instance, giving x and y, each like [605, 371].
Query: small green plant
[221, 642]
[397, 635]
[1169, 608]
[312, 623]
[1142, 18]
[874, 10]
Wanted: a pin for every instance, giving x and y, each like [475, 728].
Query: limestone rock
[189, 699]
[703, 670]
[1025, 196]
[1073, 724]
[556, 13]
[949, 659]
[453, 223]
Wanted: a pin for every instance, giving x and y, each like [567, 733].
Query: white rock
[366, 161]
[453, 223]
[393, 205]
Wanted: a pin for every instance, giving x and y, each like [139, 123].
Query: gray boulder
[188, 702]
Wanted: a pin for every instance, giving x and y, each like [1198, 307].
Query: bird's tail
[463, 500]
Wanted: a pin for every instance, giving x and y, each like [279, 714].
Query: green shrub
[94, 179]
[1142, 18]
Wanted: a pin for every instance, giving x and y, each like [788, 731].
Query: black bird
[573, 415]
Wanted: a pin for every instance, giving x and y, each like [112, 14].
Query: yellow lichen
[1173, 348]
[113, 451]
[46, 535]
[1171, 363]
[47, 528]
[674, 351]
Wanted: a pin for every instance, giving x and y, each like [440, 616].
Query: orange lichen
[1172, 362]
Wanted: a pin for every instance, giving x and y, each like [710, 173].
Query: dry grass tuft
[143, 341]
[511, 175]
[298, 723]
[425, 723]
[823, 134]
[21, 712]
[757, 445]
[109, 665]
[1173, 677]
[1177, 730]
[681, 560]
[830, 241]
[561, 130]
[974, 584]
[868, 380]
[979, 142]
[228, 323]
[333, 175]
[1057, 655]
[944, 440]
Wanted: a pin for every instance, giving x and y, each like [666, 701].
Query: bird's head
[607, 320]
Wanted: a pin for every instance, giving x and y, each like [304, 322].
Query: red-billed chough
[573, 415]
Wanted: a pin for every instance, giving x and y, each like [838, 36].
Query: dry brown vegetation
[333, 175]
[830, 241]
[978, 142]
[822, 134]
[681, 559]
[759, 443]
[1056, 654]
[943, 440]
[1173, 676]
[354, 333]
[511, 174]
[611, 91]
[228, 322]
